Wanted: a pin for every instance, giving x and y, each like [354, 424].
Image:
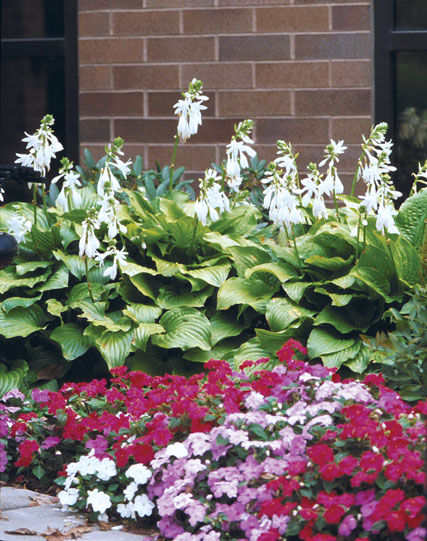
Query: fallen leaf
[21, 531]
[72, 533]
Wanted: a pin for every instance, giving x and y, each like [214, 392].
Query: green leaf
[43, 240]
[258, 431]
[215, 275]
[184, 232]
[21, 321]
[9, 280]
[168, 268]
[358, 315]
[344, 282]
[336, 359]
[376, 282]
[55, 308]
[132, 269]
[145, 285]
[332, 264]
[296, 290]
[38, 472]
[152, 361]
[13, 302]
[322, 341]
[143, 332]
[273, 341]
[251, 351]
[171, 297]
[80, 292]
[246, 257]
[281, 313]
[95, 313]
[88, 158]
[219, 241]
[68, 233]
[407, 261]
[114, 347]
[143, 313]
[337, 298]
[360, 362]
[171, 210]
[378, 259]
[137, 166]
[72, 341]
[185, 328]
[58, 280]
[235, 290]
[12, 378]
[30, 266]
[281, 271]
[74, 263]
[223, 351]
[224, 325]
[411, 219]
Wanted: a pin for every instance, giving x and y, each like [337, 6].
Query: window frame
[66, 47]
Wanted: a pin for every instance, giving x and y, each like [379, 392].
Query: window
[38, 71]
[401, 81]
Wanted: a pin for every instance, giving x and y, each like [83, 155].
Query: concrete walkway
[30, 516]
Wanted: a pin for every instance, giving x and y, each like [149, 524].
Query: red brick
[332, 102]
[145, 77]
[331, 1]
[220, 75]
[127, 4]
[112, 104]
[145, 23]
[351, 129]
[93, 5]
[181, 49]
[192, 157]
[163, 130]
[95, 77]
[112, 50]
[351, 17]
[351, 73]
[158, 4]
[217, 21]
[292, 19]
[332, 46]
[95, 130]
[295, 130]
[94, 23]
[254, 103]
[315, 153]
[161, 103]
[259, 47]
[255, 3]
[292, 74]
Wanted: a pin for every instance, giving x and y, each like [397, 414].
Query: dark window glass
[410, 114]
[30, 88]
[32, 19]
[410, 14]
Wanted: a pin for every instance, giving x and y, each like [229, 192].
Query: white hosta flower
[100, 501]
[236, 153]
[119, 256]
[385, 220]
[212, 201]
[107, 182]
[139, 473]
[108, 214]
[106, 469]
[332, 151]
[189, 110]
[1, 194]
[280, 202]
[18, 226]
[68, 497]
[89, 243]
[143, 505]
[177, 450]
[70, 186]
[122, 166]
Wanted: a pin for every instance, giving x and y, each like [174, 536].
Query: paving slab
[17, 498]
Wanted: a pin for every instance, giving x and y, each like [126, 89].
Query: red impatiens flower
[26, 450]
[334, 514]
[271, 535]
[396, 521]
[321, 454]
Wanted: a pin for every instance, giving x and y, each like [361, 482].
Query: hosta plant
[114, 270]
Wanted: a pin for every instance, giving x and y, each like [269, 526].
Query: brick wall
[300, 68]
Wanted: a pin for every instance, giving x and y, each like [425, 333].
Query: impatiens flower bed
[287, 453]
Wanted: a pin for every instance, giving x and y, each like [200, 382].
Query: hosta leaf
[185, 328]
[224, 325]
[360, 362]
[411, 219]
[250, 351]
[241, 291]
[344, 282]
[375, 280]
[58, 280]
[378, 259]
[215, 275]
[219, 241]
[323, 341]
[281, 271]
[273, 341]
[13, 302]
[143, 313]
[11, 379]
[55, 308]
[170, 297]
[171, 210]
[9, 280]
[80, 292]
[74, 263]
[143, 332]
[152, 361]
[407, 261]
[43, 240]
[145, 285]
[184, 231]
[132, 269]
[296, 290]
[114, 347]
[220, 352]
[359, 315]
[331, 264]
[247, 257]
[280, 313]
[72, 341]
[68, 233]
[336, 359]
[95, 313]
[30, 266]
[22, 209]
[337, 298]
[21, 321]
[168, 268]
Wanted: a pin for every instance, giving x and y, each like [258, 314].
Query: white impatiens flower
[42, 147]
[143, 505]
[236, 153]
[18, 226]
[211, 201]
[89, 243]
[189, 110]
[100, 501]
[106, 469]
[139, 473]
[126, 510]
[68, 497]
[177, 450]
[130, 491]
